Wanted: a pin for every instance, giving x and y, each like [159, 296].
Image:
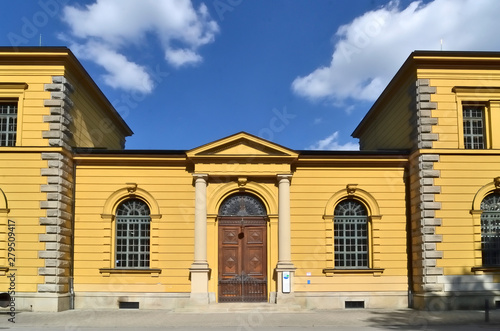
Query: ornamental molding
[351, 188]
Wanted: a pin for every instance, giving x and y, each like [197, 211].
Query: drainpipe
[409, 234]
[72, 248]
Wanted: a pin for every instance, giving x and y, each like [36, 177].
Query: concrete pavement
[260, 318]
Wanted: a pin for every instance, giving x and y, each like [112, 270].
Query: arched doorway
[242, 249]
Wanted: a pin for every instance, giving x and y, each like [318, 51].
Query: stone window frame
[10, 117]
[373, 216]
[15, 93]
[131, 191]
[484, 96]
[484, 119]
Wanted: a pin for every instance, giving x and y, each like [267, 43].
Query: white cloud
[181, 57]
[331, 143]
[104, 29]
[374, 45]
[121, 72]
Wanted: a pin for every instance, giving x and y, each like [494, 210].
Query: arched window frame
[130, 191]
[4, 228]
[490, 188]
[373, 217]
[246, 200]
[351, 235]
[490, 230]
[132, 235]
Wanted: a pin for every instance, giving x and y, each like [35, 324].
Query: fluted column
[199, 268]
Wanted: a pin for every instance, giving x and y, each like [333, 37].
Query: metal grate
[132, 234]
[243, 288]
[490, 230]
[8, 124]
[128, 305]
[350, 231]
[354, 304]
[473, 127]
[242, 205]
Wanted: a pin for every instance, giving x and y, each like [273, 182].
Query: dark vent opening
[128, 305]
[354, 304]
[497, 304]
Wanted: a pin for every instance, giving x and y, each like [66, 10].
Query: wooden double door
[242, 259]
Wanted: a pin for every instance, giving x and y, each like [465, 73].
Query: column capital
[200, 176]
[284, 176]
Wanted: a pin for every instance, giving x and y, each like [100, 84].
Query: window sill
[481, 270]
[106, 272]
[331, 271]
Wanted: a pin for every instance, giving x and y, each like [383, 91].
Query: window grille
[350, 231]
[132, 234]
[473, 127]
[8, 124]
[242, 205]
[490, 230]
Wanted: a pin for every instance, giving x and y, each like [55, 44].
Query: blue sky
[301, 73]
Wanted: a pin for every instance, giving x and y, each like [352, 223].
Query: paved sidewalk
[246, 320]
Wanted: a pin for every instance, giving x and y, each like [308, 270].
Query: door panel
[242, 259]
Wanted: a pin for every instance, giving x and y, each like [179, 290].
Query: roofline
[381, 153]
[63, 50]
[419, 57]
[170, 152]
[150, 152]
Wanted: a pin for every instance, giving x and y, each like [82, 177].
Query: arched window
[490, 230]
[350, 231]
[242, 205]
[132, 234]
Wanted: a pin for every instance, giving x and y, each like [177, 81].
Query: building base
[342, 300]
[42, 302]
[116, 300]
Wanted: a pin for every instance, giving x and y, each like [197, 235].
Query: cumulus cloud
[331, 143]
[181, 57]
[370, 49]
[121, 72]
[102, 31]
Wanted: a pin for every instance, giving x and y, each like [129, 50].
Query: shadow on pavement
[430, 320]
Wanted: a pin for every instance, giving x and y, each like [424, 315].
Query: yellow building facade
[409, 220]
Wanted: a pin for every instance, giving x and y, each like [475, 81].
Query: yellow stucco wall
[312, 227]
[20, 181]
[394, 111]
[171, 235]
[30, 99]
[92, 125]
[480, 85]
[462, 178]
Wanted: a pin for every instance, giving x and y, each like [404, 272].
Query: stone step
[243, 307]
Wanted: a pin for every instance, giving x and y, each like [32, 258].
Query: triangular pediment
[242, 145]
